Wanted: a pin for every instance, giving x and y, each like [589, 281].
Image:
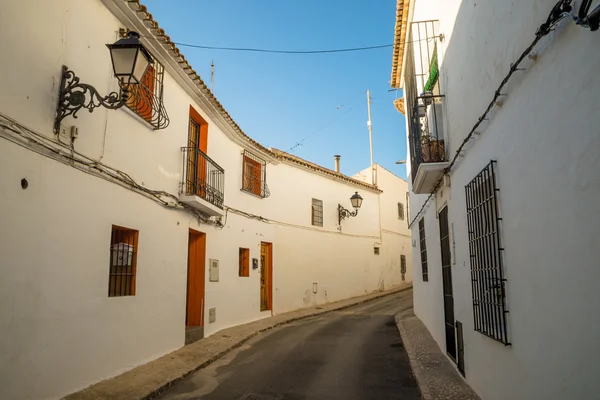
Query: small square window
[123, 261]
[376, 251]
[244, 267]
[317, 212]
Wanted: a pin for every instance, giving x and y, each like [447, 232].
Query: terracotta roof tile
[282, 155]
[160, 33]
[402, 7]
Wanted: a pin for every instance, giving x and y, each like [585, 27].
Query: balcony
[428, 150]
[424, 104]
[203, 182]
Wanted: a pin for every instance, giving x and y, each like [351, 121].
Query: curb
[233, 346]
[410, 351]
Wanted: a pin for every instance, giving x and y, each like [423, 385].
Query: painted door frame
[196, 279]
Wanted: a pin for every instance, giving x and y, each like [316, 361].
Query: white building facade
[503, 197]
[130, 232]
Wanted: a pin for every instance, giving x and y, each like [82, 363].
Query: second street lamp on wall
[130, 60]
[343, 213]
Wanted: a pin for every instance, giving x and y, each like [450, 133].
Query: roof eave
[135, 16]
[402, 8]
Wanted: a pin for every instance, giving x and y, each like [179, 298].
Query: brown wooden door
[266, 276]
[196, 277]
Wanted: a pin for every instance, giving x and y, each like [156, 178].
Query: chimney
[337, 162]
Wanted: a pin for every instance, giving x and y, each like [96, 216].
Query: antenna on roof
[212, 76]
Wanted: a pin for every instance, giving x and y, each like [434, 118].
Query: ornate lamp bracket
[74, 96]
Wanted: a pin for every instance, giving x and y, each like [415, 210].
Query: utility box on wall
[212, 315]
[213, 270]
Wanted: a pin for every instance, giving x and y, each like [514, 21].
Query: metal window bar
[202, 176]
[254, 175]
[423, 247]
[317, 212]
[146, 98]
[401, 211]
[422, 94]
[123, 262]
[486, 256]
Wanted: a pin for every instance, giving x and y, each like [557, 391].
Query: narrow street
[349, 354]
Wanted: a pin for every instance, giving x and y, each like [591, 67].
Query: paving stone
[437, 377]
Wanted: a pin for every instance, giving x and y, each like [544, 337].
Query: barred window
[486, 254]
[317, 212]
[403, 263]
[146, 98]
[423, 246]
[123, 261]
[401, 211]
[254, 175]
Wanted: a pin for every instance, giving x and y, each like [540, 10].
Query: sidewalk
[148, 380]
[438, 379]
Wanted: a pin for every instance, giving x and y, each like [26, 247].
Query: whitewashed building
[127, 233]
[501, 109]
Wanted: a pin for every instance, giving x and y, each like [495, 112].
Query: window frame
[423, 250]
[116, 288]
[401, 211]
[254, 175]
[146, 98]
[316, 218]
[244, 262]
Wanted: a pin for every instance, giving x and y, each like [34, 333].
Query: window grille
[123, 261]
[146, 98]
[317, 212]
[403, 266]
[401, 211]
[486, 254]
[423, 246]
[254, 175]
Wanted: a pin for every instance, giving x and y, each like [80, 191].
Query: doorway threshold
[193, 334]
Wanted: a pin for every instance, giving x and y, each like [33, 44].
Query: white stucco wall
[60, 330]
[395, 232]
[544, 139]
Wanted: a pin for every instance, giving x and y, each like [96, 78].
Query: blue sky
[280, 99]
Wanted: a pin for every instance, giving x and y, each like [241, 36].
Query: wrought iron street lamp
[130, 60]
[343, 213]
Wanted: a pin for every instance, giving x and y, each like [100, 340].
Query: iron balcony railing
[423, 97]
[202, 176]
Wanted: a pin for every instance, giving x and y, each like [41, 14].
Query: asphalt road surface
[349, 354]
